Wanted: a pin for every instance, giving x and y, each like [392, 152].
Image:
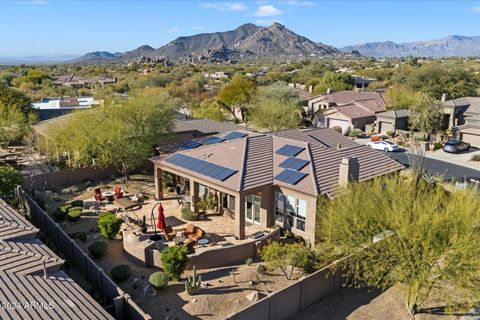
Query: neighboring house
[453, 111]
[362, 83]
[71, 80]
[272, 179]
[392, 120]
[49, 108]
[346, 109]
[470, 130]
[218, 75]
[31, 273]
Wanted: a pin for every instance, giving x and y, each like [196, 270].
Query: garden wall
[295, 298]
[231, 255]
[57, 180]
[114, 296]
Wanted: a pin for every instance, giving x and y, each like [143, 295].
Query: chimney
[444, 97]
[349, 171]
[310, 89]
[329, 91]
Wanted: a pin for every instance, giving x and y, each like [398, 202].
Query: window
[279, 207]
[291, 211]
[301, 214]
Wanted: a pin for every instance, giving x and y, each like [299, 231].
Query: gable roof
[256, 160]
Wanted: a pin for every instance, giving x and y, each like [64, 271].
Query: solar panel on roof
[203, 167]
[212, 140]
[294, 163]
[290, 176]
[289, 150]
[235, 135]
[190, 144]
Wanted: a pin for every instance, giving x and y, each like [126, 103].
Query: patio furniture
[118, 195]
[203, 242]
[179, 240]
[109, 195]
[170, 234]
[98, 195]
[193, 232]
[117, 189]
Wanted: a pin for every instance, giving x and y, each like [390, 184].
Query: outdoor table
[109, 195]
[179, 240]
[203, 242]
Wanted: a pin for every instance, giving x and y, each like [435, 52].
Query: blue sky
[50, 27]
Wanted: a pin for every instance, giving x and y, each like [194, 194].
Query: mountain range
[246, 41]
[450, 46]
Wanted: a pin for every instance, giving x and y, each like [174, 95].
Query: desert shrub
[109, 225]
[437, 145]
[357, 133]
[77, 203]
[374, 138]
[158, 280]
[120, 273]
[248, 261]
[59, 214]
[75, 208]
[174, 261]
[189, 215]
[475, 157]
[261, 268]
[74, 215]
[103, 214]
[338, 129]
[348, 132]
[82, 236]
[97, 249]
[383, 137]
[286, 257]
[390, 134]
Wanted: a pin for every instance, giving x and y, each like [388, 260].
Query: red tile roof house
[275, 178]
[346, 109]
[31, 275]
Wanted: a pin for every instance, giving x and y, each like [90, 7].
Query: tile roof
[371, 100]
[205, 126]
[401, 113]
[22, 261]
[257, 163]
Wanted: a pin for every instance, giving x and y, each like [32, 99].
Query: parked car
[456, 146]
[384, 146]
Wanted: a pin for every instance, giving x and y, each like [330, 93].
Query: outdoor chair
[169, 233]
[197, 235]
[98, 195]
[118, 190]
[118, 195]
[191, 229]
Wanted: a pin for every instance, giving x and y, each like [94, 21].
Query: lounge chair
[190, 244]
[192, 232]
[169, 233]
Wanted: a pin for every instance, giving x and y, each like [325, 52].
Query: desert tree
[430, 239]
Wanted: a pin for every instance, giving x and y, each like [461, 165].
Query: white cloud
[300, 3]
[266, 23]
[225, 6]
[197, 27]
[173, 30]
[476, 9]
[267, 11]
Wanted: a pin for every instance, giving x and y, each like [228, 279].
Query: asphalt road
[439, 168]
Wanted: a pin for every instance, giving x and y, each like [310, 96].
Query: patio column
[240, 216]
[158, 175]
[193, 195]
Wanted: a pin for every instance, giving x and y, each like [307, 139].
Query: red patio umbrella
[161, 218]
